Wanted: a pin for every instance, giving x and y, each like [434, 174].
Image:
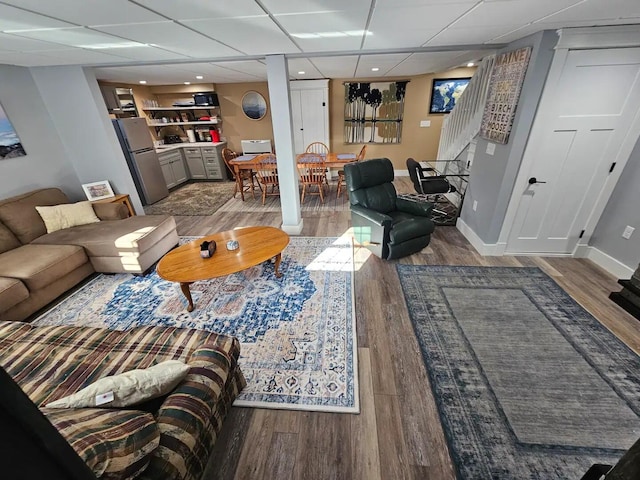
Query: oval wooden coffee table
[257, 244]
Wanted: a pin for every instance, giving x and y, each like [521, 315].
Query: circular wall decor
[254, 105]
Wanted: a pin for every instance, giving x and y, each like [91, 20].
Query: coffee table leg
[187, 293]
[278, 259]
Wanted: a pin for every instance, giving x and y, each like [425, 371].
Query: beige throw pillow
[67, 215]
[129, 388]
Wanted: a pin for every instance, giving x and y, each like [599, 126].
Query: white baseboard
[610, 264]
[484, 249]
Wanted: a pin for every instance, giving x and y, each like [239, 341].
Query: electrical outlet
[475, 205]
[627, 232]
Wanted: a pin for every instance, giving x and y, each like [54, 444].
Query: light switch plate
[491, 148]
[628, 231]
[425, 123]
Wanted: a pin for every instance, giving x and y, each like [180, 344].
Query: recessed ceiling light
[375, 69]
[142, 82]
[301, 73]
[470, 64]
[187, 83]
[199, 77]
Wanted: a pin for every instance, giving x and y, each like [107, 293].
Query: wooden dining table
[247, 162]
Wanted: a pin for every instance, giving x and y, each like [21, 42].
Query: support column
[280, 102]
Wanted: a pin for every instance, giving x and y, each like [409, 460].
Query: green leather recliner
[389, 226]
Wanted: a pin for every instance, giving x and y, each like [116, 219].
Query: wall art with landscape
[373, 112]
[10, 145]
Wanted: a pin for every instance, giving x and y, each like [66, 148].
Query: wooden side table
[120, 198]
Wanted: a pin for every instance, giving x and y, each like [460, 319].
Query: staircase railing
[461, 126]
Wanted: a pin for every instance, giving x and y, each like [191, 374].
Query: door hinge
[613, 165]
[581, 234]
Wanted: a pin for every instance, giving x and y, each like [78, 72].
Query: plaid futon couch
[173, 438]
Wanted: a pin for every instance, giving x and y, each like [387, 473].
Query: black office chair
[431, 187]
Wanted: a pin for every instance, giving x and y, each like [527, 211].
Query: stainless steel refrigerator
[137, 146]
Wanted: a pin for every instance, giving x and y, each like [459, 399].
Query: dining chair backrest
[363, 152]
[311, 167]
[266, 168]
[317, 147]
[227, 156]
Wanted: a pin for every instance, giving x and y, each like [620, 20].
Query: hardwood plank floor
[398, 434]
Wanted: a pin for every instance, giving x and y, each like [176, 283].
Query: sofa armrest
[191, 417]
[371, 215]
[110, 211]
[422, 209]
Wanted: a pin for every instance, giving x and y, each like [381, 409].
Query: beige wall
[418, 142]
[236, 125]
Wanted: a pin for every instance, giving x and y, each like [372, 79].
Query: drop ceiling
[169, 41]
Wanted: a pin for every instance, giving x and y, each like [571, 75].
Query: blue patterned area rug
[528, 384]
[297, 333]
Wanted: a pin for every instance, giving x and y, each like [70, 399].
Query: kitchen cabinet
[119, 101]
[173, 168]
[193, 155]
[213, 162]
[309, 112]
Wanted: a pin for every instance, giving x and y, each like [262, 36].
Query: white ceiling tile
[10, 41]
[427, 17]
[74, 37]
[597, 10]
[470, 35]
[327, 22]
[230, 32]
[511, 12]
[279, 7]
[336, 67]
[147, 53]
[22, 60]
[171, 36]
[80, 56]
[203, 9]
[15, 19]
[89, 12]
[303, 65]
[398, 38]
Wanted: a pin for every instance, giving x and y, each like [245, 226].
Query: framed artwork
[97, 190]
[445, 93]
[505, 84]
[10, 146]
[254, 106]
[373, 111]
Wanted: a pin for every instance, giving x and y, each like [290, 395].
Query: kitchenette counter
[175, 146]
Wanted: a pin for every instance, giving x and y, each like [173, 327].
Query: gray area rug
[200, 198]
[529, 385]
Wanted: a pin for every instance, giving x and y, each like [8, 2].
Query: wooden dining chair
[317, 147]
[313, 172]
[341, 183]
[248, 175]
[266, 169]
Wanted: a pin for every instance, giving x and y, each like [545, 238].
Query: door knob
[534, 180]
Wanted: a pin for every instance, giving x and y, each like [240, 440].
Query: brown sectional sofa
[36, 267]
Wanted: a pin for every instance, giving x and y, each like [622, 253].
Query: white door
[594, 105]
[310, 115]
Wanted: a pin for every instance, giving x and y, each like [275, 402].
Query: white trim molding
[610, 264]
[484, 249]
[293, 229]
[598, 37]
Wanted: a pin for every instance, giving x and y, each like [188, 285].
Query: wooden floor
[397, 435]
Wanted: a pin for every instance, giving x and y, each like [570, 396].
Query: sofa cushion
[67, 215]
[115, 444]
[7, 239]
[20, 215]
[12, 292]
[40, 265]
[120, 238]
[128, 388]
